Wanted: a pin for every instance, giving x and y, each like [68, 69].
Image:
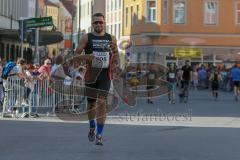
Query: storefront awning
[45, 37]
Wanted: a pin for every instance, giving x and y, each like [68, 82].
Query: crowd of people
[181, 79]
[25, 80]
[197, 77]
[201, 77]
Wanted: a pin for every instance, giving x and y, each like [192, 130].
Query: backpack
[7, 69]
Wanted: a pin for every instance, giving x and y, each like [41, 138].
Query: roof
[49, 3]
[68, 4]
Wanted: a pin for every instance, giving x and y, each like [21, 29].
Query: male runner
[185, 80]
[96, 47]
[215, 78]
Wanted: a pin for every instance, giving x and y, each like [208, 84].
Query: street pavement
[202, 129]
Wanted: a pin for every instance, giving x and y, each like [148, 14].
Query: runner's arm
[82, 44]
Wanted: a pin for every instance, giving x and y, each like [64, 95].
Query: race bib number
[172, 75]
[101, 60]
[151, 76]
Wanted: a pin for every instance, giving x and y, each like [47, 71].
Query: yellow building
[52, 10]
[204, 28]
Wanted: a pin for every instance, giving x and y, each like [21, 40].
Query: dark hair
[47, 58]
[59, 59]
[98, 15]
[21, 61]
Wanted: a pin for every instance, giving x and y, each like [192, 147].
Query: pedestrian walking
[215, 79]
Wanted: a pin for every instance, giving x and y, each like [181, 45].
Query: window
[151, 11]
[14, 10]
[9, 9]
[210, 14]
[88, 11]
[116, 4]
[111, 5]
[165, 11]
[107, 5]
[179, 12]
[1, 7]
[237, 12]
[83, 11]
[6, 8]
[7, 52]
[131, 16]
[115, 31]
[137, 14]
[91, 8]
[120, 4]
[119, 31]
[126, 18]
[2, 50]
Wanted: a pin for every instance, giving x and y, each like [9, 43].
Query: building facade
[114, 18]
[170, 27]
[88, 8]
[86, 15]
[69, 24]
[10, 12]
[114, 22]
[52, 10]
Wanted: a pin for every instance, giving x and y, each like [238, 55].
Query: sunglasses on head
[98, 22]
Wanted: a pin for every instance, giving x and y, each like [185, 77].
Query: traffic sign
[38, 22]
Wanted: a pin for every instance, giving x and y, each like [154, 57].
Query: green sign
[38, 22]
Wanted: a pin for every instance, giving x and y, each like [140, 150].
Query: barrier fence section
[37, 96]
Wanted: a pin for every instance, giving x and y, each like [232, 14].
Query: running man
[235, 73]
[94, 44]
[186, 78]
[215, 78]
[172, 79]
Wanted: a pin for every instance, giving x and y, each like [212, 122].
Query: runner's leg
[103, 86]
[91, 117]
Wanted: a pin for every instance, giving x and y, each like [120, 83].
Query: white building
[15, 9]
[114, 17]
[10, 47]
[88, 8]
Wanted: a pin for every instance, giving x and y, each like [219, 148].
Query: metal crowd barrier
[42, 99]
